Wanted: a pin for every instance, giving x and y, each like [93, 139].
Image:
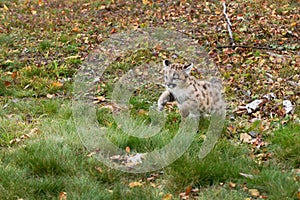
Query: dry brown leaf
[113, 30]
[75, 29]
[293, 24]
[99, 169]
[99, 99]
[142, 112]
[14, 75]
[62, 196]
[127, 149]
[32, 133]
[147, 2]
[7, 83]
[40, 2]
[232, 185]
[188, 190]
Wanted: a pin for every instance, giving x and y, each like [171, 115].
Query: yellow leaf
[127, 149]
[167, 197]
[75, 29]
[293, 24]
[57, 84]
[142, 112]
[5, 7]
[33, 12]
[135, 184]
[40, 2]
[254, 192]
[147, 2]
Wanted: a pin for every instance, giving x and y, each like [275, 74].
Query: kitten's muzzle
[171, 85]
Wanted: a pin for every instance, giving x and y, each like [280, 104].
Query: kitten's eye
[166, 77]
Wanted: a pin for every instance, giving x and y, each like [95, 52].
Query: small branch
[228, 25]
[248, 47]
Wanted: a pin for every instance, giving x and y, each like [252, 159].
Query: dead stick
[250, 47]
[228, 25]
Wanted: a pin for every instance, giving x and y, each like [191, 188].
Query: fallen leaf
[147, 2]
[50, 96]
[217, 12]
[254, 192]
[288, 106]
[99, 169]
[183, 196]
[298, 194]
[232, 185]
[62, 196]
[254, 105]
[32, 133]
[5, 7]
[135, 184]
[113, 30]
[40, 2]
[142, 112]
[13, 75]
[99, 99]
[167, 197]
[75, 29]
[57, 84]
[245, 137]
[7, 83]
[293, 24]
[33, 12]
[188, 190]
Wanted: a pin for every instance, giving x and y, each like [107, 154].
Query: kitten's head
[176, 74]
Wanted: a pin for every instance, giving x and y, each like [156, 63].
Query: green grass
[55, 161]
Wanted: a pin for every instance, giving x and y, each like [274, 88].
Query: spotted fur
[194, 97]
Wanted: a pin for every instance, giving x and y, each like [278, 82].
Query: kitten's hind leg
[165, 97]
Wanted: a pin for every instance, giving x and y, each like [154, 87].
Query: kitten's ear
[188, 68]
[166, 63]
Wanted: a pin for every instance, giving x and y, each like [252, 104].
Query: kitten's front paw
[160, 108]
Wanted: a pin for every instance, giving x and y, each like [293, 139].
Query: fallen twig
[249, 47]
[232, 43]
